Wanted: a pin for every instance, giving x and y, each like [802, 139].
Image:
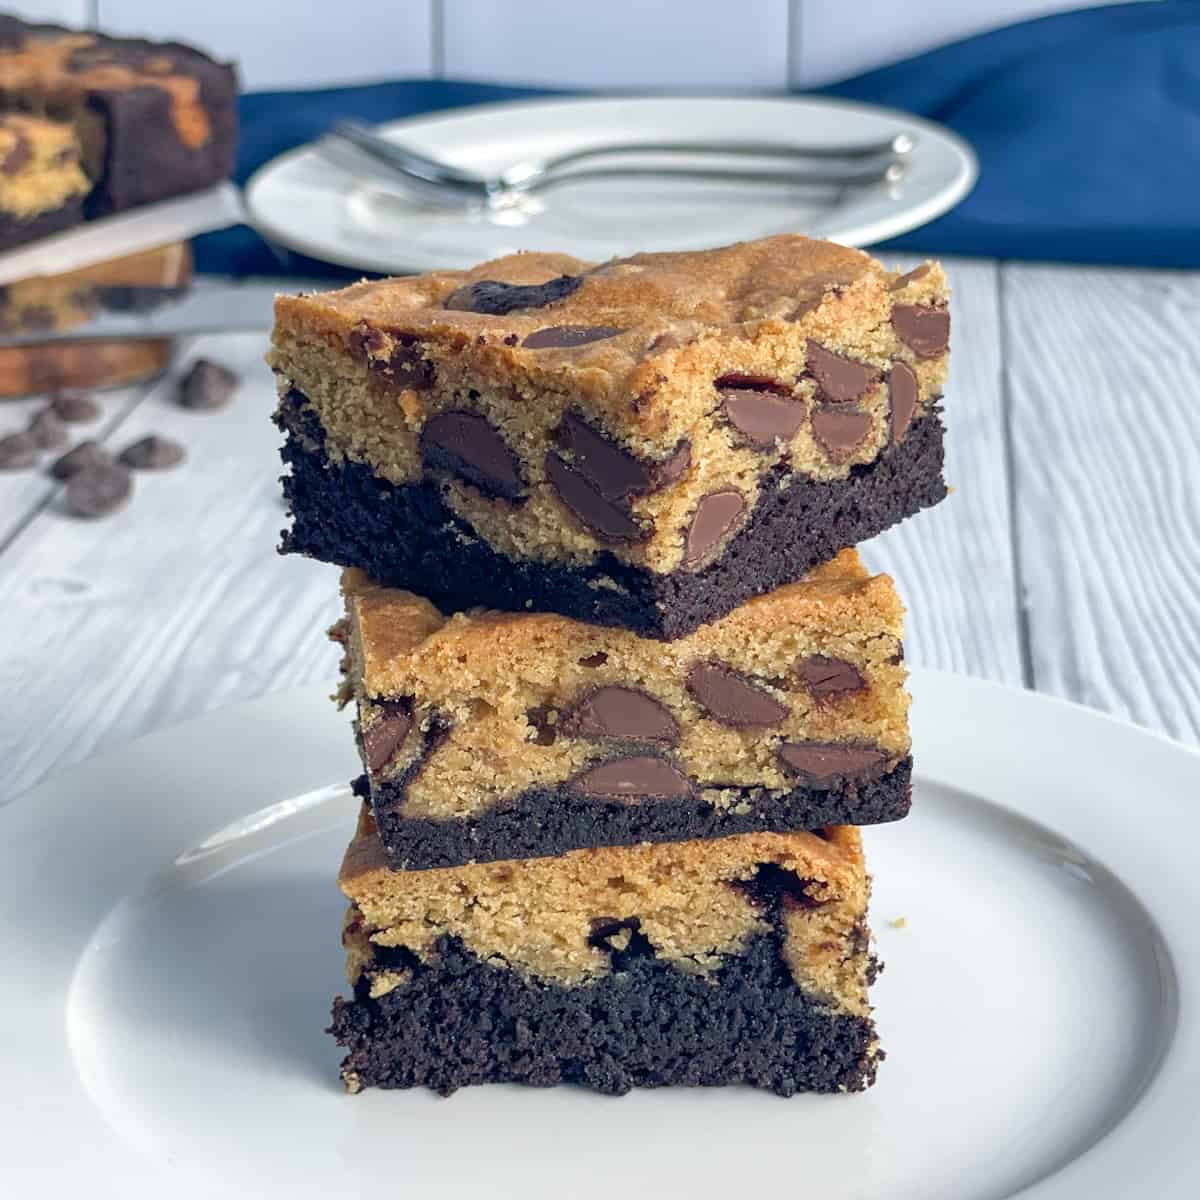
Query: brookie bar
[490, 735]
[646, 443]
[738, 960]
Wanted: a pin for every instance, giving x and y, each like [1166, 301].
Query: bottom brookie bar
[735, 960]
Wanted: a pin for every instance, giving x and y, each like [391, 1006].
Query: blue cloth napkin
[1087, 127]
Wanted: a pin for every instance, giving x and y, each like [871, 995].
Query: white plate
[304, 203]
[170, 941]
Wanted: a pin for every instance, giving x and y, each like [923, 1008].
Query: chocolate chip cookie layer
[645, 443]
[739, 960]
[489, 735]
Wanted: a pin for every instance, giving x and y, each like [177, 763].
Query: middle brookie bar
[734, 960]
[489, 735]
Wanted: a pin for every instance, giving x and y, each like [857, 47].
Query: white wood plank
[174, 606]
[953, 564]
[649, 44]
[285, 44]
[835, 41]
[1106, 437]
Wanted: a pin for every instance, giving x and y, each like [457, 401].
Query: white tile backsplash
[642, 44]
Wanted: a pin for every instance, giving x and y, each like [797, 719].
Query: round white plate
[170, 941]
[304, 203]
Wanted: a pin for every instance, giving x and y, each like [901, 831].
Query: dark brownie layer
[458, 1020]
[544, 822]
[407, 537]
[14, 232]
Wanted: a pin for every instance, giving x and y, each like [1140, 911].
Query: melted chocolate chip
[840, 431]
[903, 391]
[824, 676]
[612, 471]
[716, 515]
[543, 719]
[840, 379]
[620, 712]
[755, 383]
[560, 337]
[387, 732]
[911, 277]
[496, 298]
[731, 698]
[609, 519]
[633, 778]
[824, 764]
[924, 329]
[19, 155]
[401, 365]
[674, 468]
[594, 660]
[467, 445]
[623, 939]
[773, 886]
[762, 417]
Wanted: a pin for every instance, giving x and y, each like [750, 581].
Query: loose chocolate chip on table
[608, 518]
[903, 391]
[17, 451]
[207, 385]
[824, 676]
[715, 516]
[637, 776]
[98, 490]
[498, 299]
[821, 764]
[75, 407]
[386, 733]
[762, 417]
[911, 277]
[923, 329]
[674, 468]
[840, 379]
[729, 697]
[47, 430]
[152, 453]
[620, 712]
[86, 454]
[559, 337]
[468, 445]
[840, 430]
[614, 472]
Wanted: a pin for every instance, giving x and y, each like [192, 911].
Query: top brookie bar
[143, 120]
[645, 443]
[491, 735]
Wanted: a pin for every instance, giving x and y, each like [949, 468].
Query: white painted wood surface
[1068, 408]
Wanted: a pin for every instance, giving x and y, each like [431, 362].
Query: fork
[862, 165]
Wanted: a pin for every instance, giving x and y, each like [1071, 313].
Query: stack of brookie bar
[624, 689]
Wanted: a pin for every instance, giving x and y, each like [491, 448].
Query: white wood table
[1066, 560]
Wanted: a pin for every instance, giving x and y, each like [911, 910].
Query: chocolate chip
[903, 391]
[620, 712]
[674, 468]
[634, 777]
[47, 430]
[558, 337]
[387, 732]
[730, 697]
[75, 408]
[840, 430]
[19, 155]
[498, 299]
[756, 383]
[17, 451]
[824, 676]
[804, 307]
[609, 519]
[715, 516]
[911, 277]
[762, 417]
[207, 385]
[543, 720]
[823, 764]
[594, 660]
[923, 328]
[392, 356]
[86, 454]
[152, 453]
[623, 939]
[615, 473]
[839, 378]
[98, 490]
[467, 444]
[774, 886]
